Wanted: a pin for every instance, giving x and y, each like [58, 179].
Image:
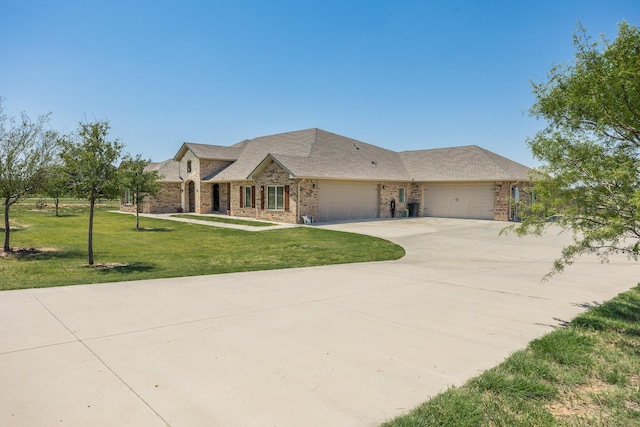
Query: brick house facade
[290, 176]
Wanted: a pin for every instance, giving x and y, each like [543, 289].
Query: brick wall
[391, 191]
[504, 203]
[308, 204]
[206, 198]
[168, 200]
[502, 200]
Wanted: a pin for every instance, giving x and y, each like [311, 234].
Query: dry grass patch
[580, 402]
[26, 252]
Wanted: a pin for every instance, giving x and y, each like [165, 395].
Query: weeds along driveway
[345, 345]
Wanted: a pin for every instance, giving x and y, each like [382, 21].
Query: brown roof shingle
[468, 163]
[315, 153]
[169, 170]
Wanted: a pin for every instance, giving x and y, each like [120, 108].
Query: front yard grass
[52, 251]
[585, 374]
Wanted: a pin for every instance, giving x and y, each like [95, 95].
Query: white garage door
[340, 200]
[459, 200]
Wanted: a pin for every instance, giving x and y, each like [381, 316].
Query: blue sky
[403, 75]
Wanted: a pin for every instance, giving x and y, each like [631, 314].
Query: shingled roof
[204, 151]
[169, 170]
[315, 153]
[468, 163]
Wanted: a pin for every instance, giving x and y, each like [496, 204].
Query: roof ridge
[492, 160]
[491, 156]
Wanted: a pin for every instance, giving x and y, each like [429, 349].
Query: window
[189, 166]
[248, 193]
[275, 197]
[247, 197]
[401, 195]
[128, 199]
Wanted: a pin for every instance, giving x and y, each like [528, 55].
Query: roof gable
[204, 151]
[263, 165]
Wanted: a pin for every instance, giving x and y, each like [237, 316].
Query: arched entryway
[216, 197]
[191, 194]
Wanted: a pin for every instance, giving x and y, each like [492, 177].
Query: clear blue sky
[403, 75]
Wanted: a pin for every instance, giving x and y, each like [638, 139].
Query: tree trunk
[91, 206]
[57, 202]
[137, 216]
[7, 228]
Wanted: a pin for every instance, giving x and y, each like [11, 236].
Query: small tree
[90, 163]
[140, 182]
[26, 150]
[590, 151]
[56, 184]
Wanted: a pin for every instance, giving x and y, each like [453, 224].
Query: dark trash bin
[413, 209]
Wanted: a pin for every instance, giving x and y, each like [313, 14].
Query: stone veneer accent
[273, 174]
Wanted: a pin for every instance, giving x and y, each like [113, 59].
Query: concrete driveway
[347, 345]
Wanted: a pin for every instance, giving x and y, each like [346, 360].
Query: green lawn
[587, 374]
[162, 249]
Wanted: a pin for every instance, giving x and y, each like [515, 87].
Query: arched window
[188, 165]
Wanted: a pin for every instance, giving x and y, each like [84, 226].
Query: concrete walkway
[347, 345]
[204, 221]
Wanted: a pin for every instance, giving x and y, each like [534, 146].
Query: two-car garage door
[468, 200]
[347, 200]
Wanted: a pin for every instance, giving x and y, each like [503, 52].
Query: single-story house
[321, 176]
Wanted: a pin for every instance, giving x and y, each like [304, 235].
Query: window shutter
[241, 197]
[262, 197]
[253, 196]
[286, 197]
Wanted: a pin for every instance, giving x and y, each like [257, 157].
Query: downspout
[181, 187]
[257, 187]
[298, 217]
[513, 184]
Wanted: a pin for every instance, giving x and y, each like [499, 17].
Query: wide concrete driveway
[348, 345]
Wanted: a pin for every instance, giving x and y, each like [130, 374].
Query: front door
[192, 197]
[216, 197]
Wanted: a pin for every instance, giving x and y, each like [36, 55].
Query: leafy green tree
[90, 163]
[56, 184]
[589, 181]
[27, 148]
[140, 182]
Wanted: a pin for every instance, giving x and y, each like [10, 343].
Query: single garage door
[344, 200]
[473, 200]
